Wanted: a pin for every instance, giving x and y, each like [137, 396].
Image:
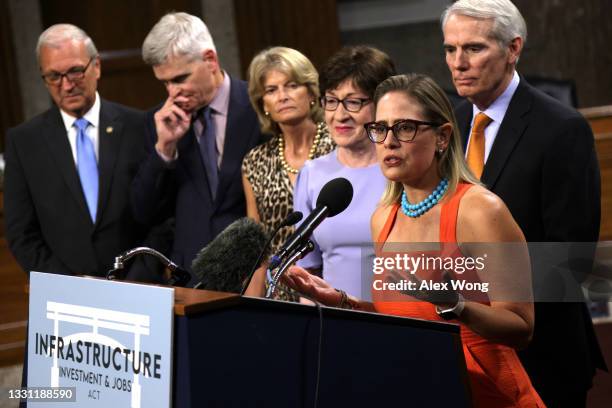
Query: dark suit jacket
[543, 165]
[48, 226]
[181, 189]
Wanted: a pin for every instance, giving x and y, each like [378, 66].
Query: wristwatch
[453, 312]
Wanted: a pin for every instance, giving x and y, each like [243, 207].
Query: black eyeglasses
[350, 104]
[73, 74]
[404, 130]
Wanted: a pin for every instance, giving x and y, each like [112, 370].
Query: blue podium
[232, 351]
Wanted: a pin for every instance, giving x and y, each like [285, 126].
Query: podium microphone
[179, 276]
[334, 197]
[224, 263]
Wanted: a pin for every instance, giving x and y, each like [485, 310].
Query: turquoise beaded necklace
[418, 209]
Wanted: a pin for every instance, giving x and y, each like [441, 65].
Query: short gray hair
[175, 35]
[508, 23]
[59, 33]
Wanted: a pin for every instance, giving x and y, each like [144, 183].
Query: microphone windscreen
[226, 261]
[292, 219]
[336, 195]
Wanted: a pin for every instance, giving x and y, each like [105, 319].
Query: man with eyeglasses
[539, 157]
[69, 169]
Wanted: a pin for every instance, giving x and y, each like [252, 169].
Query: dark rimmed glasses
[404, 130]
[331, 103]
[73, 74]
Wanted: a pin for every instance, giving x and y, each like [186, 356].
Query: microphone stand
[246, 283]
[290, 220]
[178, 276]
[299, 253]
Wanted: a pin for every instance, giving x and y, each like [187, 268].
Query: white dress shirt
[92, 132]
[496, 111]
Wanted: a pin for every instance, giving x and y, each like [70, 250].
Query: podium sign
[110, 340]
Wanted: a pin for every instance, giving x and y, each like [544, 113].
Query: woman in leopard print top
[284, 91]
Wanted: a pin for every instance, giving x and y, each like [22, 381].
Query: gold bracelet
[345, 302]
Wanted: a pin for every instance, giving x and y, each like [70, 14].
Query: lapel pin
[109, 129]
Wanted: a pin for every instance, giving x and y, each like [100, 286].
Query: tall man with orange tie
[539, 157]
[69, 170]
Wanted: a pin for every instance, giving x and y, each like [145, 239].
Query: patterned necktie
[87, 166]
[208, 150]
[476, 150]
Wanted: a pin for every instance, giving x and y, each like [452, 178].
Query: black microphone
[226, 261]
[178, 276]
[293, 218]
[334, 197]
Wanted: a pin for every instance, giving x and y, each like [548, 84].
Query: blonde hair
[290, 62]
[437, 108]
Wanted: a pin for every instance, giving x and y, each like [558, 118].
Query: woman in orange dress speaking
[432, 197]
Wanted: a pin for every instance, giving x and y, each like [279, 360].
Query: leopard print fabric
[274, 192]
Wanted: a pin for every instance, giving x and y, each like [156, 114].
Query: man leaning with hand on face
[196, 138]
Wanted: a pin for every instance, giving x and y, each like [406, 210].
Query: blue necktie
[208, 149]
[87, 166]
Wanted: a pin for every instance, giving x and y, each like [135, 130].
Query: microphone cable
[319, 352]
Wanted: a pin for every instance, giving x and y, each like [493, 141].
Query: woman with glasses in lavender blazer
[343, 249]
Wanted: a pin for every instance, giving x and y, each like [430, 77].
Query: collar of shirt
[220, 103]
[496, 111]
[220, 107]
[93, 117]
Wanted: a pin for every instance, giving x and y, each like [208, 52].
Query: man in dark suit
[196, 138]
[69, 170]
[539, 157]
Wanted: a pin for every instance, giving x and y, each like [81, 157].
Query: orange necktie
[476, 150]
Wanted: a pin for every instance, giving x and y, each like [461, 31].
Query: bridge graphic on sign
[96, 318]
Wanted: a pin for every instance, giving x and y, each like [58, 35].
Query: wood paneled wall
[600, 119]
[308, 26]
[570, 39]
[11, 112]
[13, 303]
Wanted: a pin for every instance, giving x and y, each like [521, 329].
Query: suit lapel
[57, 142]
[235, 140]
[189, 149]
[109, 136]
[464, 119]
[511, 130]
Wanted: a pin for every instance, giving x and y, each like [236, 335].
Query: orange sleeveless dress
[496, 375]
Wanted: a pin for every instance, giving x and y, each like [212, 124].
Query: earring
[440, 150]
[266, 113]
[312, 103]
